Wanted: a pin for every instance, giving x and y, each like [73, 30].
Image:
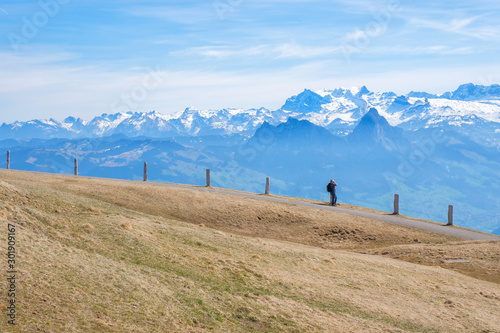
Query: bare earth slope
[100, 255]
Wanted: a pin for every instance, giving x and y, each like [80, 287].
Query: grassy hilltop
[100, 255]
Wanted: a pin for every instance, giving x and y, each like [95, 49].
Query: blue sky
[85, 58]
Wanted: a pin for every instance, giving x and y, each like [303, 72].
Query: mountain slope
[115, 256]
[374, 129]
[471, 92]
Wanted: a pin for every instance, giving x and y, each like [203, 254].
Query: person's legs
[334, 199]
[331, 199]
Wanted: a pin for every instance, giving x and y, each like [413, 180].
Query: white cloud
[357, 34]
[224, 51]
[285, 50]
[459, 26]
[421, 50]
[54, 90]
[177, 14]
[292, 50]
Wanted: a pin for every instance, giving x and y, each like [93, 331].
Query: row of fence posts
[267, 191]
[268, 182]
[396, 209]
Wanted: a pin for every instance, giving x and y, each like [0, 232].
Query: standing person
[331, 187]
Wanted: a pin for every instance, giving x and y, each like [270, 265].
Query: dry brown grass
[127, 225]
[88, 227]
[481, 258]
[95, 210]
[254, 266]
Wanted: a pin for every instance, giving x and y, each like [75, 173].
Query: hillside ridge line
[440, 228]
[387, 218]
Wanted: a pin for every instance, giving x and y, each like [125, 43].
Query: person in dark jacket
[331, 187]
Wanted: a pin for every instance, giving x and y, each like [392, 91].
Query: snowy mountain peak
[373, 118]
[422, 102]
[403, 100]
[305, 102]
[419, 94]
[190, 110]
[348, 92]
[70, 120]
[115, 116]
[359, 91]
[472, 92]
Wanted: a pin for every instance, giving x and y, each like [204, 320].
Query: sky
[62, 58]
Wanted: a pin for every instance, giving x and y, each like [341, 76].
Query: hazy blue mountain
[471, 92]
[400, 103]
[373, 129]
[421, 94]
[294, 134]
[305, 102]
[34, 129]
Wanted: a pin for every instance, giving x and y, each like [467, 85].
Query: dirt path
[384, 217]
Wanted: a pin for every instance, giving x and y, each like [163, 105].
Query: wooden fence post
[76, 167]
[145, 171]
[450, 215]
[267, 185]
[396, 204]
[208, 177]
[8, 159]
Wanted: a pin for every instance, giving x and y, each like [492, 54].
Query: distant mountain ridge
[423, 148]
[471, 109]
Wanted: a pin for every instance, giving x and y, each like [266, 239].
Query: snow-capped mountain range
[471, 108]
